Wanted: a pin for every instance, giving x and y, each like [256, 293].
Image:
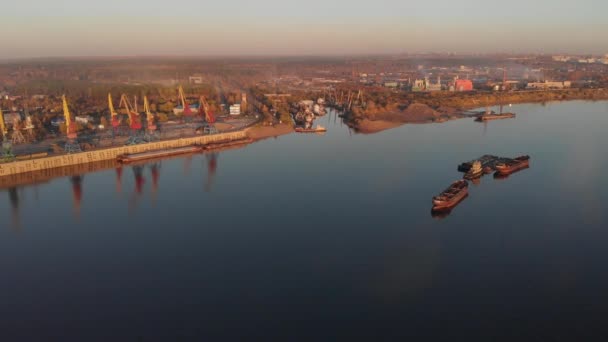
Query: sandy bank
[263, 132]
[366, 126]
[428, 108]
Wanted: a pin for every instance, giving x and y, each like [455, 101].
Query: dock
[57, 161]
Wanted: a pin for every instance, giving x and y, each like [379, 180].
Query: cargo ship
[488, 117]
[519, 163]
[451, 196]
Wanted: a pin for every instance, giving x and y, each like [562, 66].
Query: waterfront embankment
[64, 160]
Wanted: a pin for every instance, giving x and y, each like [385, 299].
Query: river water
[322, 238]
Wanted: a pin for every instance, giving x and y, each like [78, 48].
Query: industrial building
[419, 85]
[195, 79]
[463, 85]
[235, 109]
[549, 85]
[426, 85]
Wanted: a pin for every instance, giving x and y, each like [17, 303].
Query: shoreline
[442, 108]
[31, 171]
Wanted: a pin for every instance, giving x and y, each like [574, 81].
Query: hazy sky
[41, 28]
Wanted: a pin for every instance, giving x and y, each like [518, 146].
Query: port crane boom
[205, 112]
[187, 111]
[113, 113]
[134, 121]
[69, 123]
[149, 115]
[3, 130]
[72, 144]
[208, 117]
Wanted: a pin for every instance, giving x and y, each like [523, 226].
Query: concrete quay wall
[17, 167]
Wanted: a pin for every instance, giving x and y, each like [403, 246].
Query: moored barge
[451, 196]
[519, 163]
[129, 158]
[488, 117]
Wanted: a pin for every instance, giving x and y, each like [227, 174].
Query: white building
[549, 85]
[195, 79]
[235, 109]
[83, 119]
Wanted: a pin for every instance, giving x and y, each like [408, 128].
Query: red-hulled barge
[514, 165]
[451, 196]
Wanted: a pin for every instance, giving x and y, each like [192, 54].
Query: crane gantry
[151, 125]
[182, 97]
[134, 120]
[207, 115]
[71, 144]
[3, 130]
[115, 120]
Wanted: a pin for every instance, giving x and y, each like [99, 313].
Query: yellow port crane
[149, 115]
[69, 124]
[113, 114]
[134, 121]
[3, 130]
[71, 145]
[186, 108]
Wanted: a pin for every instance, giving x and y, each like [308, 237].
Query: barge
[226, 144]
[485, 160]
[488, 117]
[451, 196]
[488, 163]
[514, 165]
[129, 158]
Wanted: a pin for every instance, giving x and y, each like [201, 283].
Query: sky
[58, 28]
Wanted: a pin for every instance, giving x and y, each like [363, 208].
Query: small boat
[451, 196]
[513, 165]
[475, 171]
[488, 117]
[318, 129]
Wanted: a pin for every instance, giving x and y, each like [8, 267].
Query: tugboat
[451, 196]
[475, 172]
[513, 165]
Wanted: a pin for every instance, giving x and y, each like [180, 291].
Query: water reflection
[211, 169]
[14, 200]
[76, 194]
[139, 181]
[155, 171]
[119, 179]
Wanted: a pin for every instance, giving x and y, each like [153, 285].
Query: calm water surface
[322, 238]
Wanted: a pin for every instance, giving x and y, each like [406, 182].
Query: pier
[106, 154]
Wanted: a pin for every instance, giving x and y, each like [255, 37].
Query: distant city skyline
[71, 28]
